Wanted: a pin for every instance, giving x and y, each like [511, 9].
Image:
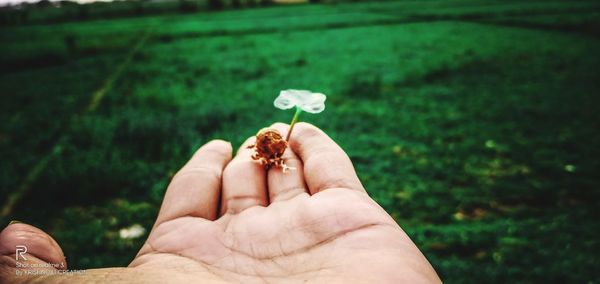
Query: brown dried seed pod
[269, 148]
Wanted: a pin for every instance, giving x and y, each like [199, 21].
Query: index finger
[326, 165]
[195, 189]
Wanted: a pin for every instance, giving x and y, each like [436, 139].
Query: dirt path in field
[95, 100]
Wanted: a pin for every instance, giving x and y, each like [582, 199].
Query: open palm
[229, 220]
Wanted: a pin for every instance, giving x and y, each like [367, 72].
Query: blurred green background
[473, 123]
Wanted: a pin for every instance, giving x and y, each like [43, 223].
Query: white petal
[305, 100]
[315, 104]
[285, 100]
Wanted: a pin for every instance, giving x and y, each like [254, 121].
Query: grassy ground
[474, 123]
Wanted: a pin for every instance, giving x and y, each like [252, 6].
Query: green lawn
[473, 123]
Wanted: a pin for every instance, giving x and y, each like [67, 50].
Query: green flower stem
[294, 120]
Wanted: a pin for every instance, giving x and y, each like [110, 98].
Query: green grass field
[473, 123]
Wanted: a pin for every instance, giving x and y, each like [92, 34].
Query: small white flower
[570, 168]
[305, 100]
[132, 232]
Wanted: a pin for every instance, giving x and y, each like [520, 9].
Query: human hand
[229, 220]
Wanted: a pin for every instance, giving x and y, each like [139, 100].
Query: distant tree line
[45, 11]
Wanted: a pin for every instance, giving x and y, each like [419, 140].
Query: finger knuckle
[306, 130]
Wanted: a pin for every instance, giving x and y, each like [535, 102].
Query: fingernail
[14, 222]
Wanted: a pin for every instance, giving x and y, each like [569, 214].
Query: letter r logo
[20, 251]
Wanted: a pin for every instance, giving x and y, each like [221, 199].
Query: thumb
[28, 249]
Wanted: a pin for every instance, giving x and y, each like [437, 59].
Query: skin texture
[230, 220]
